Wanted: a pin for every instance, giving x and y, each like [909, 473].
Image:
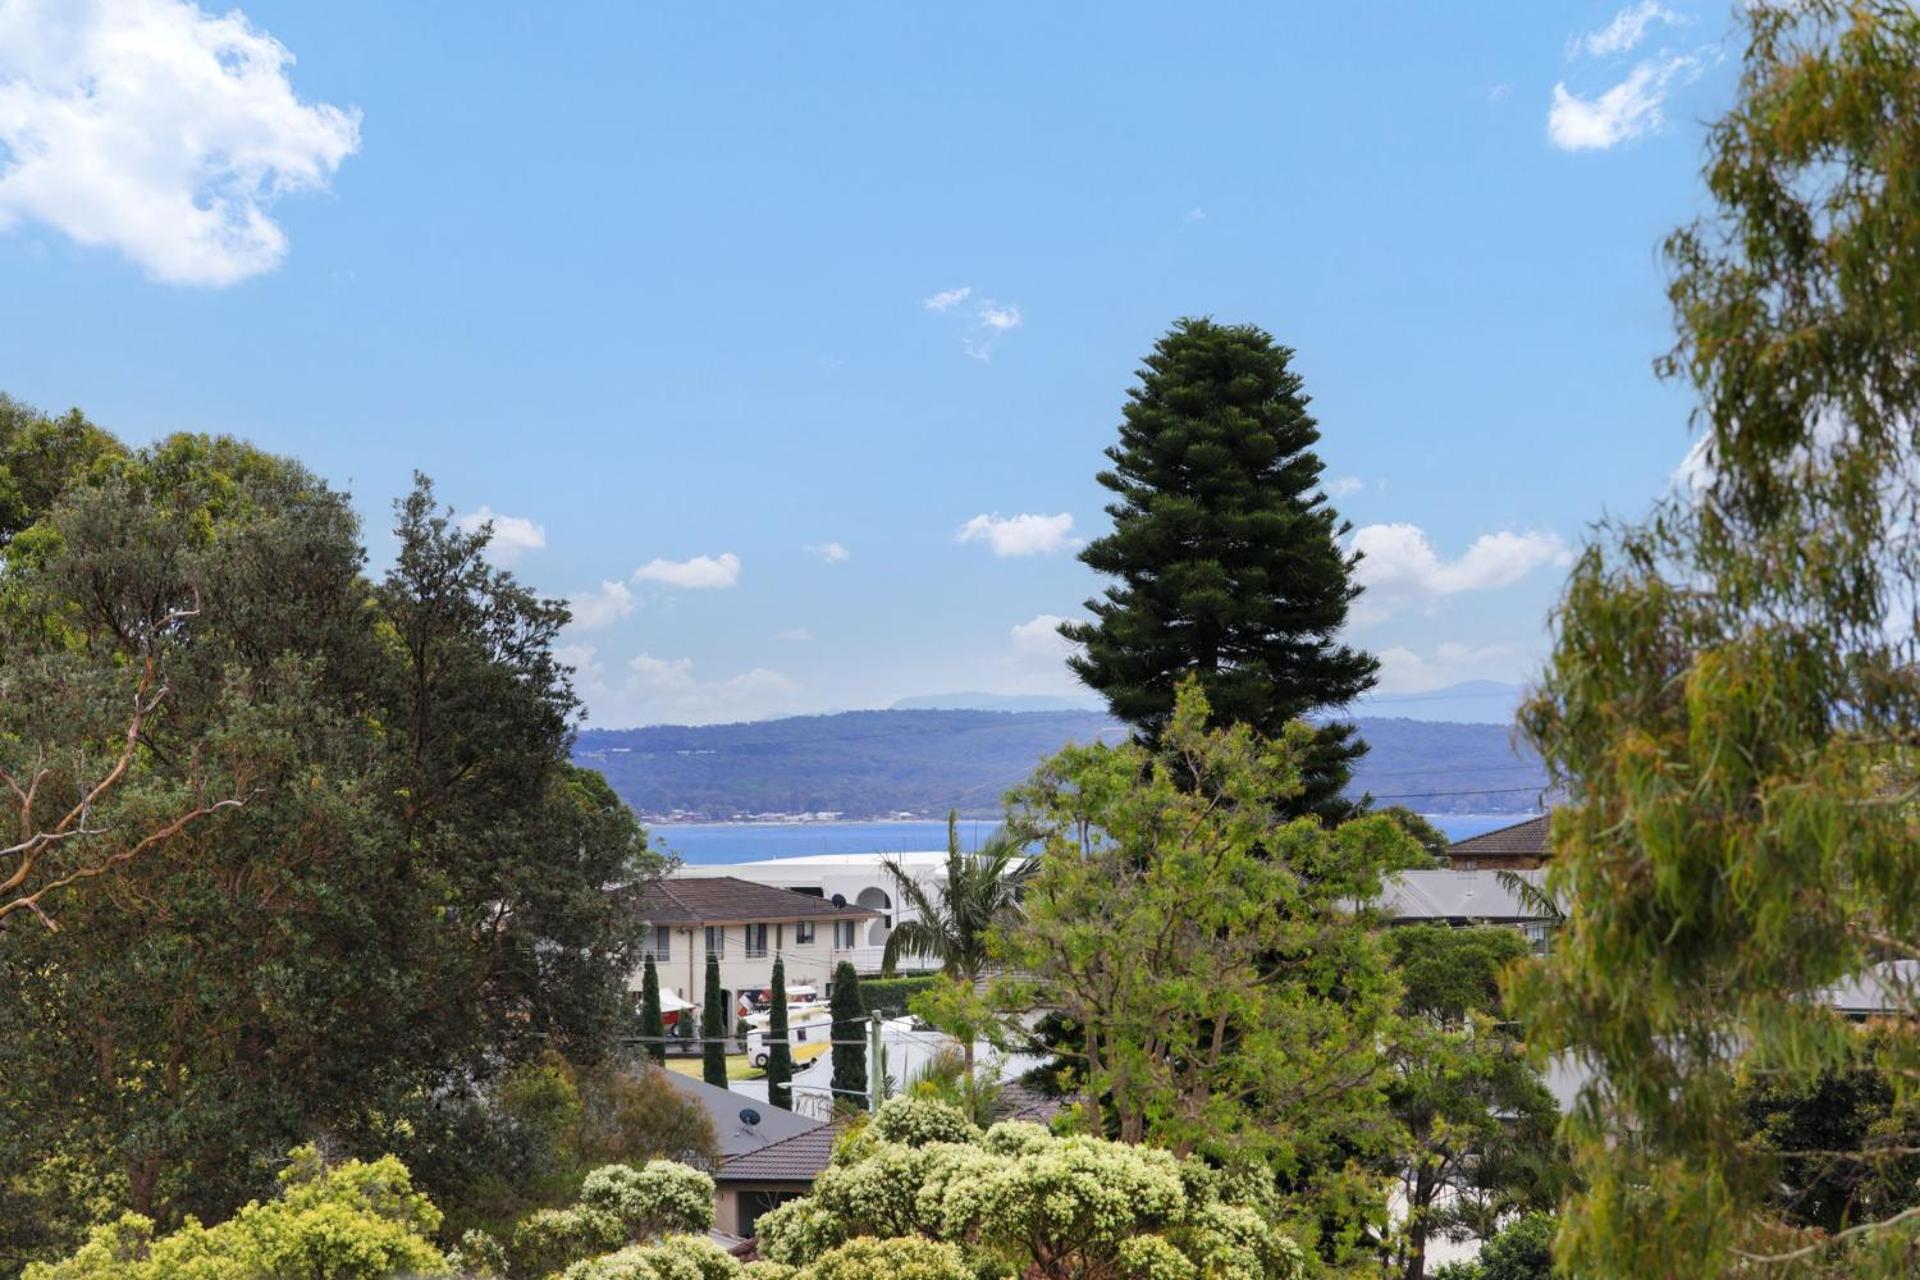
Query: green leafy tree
[419, 891]
[849, 1038]
[1523, 1251]
[1229, 994]
[40, 456]
[779, 1052]
[1227, 555]
[1475, 1144]
[653, 1023]
[1731, 704]
[1425, 834]
[714, 1027]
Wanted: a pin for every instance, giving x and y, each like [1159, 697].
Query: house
[745, 925]
[1460, 898]
[860, 879]
[729, 1112]
[1520, 847]
[748, 1185]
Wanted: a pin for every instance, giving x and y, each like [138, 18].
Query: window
[803, 934]
[662, 948]
[756, 941]
[716, 940]
[843, 935]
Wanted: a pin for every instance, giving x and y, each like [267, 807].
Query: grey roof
[730, 900]
[1887, 987]
[1521, 840]
[796, 1159]
[1456, 896]
[724, 1107]
[1022, 1102]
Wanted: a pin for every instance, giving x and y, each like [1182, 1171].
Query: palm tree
[981, 892]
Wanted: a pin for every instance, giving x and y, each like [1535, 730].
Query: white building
[858, 880]
[744, 924]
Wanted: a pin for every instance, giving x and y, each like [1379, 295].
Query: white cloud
[1500, 92]
[798, 635]
[513, 536]
[699, 573]
[1399, 564]
[1038, 639]
[1345, 485]
[666, 691]
[1196, 214]
[585, 661]
[831, 552]
[991, 323]
[1402, 670]
[1627, 111]
[603, 607]
[1021, 535]
[1628, 28]
[158, 130]
[947, 299]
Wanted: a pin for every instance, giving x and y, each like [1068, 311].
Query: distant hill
[997, 702]
[1470, 702]
[877, 764]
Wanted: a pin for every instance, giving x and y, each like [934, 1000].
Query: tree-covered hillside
[866, 764]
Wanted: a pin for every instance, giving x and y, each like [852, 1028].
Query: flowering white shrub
[675, 1258]
[658, 1199]
[916, 1122]
[899, 1258]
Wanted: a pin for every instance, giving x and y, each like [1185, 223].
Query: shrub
[659, 1198]
[899, 1258]
[352, 1221]
[889, 997]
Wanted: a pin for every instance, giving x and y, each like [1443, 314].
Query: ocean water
[707, 843]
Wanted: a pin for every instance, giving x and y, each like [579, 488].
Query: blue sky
[740, 317]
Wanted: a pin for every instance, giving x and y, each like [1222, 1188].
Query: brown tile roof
[1521, 840]
[727, 900]
[800, 1158]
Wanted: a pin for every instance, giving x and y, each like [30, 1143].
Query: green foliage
[1475, 1141]
[1848, 1145]
[40, 457]
[653, 1024]
[418, 891]
[891, 997]
[1229, 997]
[849, 1039]
[1429, 837]
[1731, 703]
[1524, 1251]
[905, 1258]
[1227, 555]
[951, 923]
[779, 1052]
[620, 1206]
[1017, 1200]
[715, 1023]
[351, 1221]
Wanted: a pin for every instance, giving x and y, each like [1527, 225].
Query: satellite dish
[839, 899]
[749, 1117]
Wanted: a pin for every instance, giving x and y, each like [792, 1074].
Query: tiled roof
[1521, 840]
[797, 1159]
[1019, 1102]
[730, 900]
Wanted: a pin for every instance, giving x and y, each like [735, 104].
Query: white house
[858, 880]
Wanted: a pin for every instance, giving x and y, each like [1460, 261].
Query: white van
[806, 1024]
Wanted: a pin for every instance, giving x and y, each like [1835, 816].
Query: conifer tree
[653, 1024]
[779, 1052]
[713, 1028]
[1226, 553]
[849, 1039]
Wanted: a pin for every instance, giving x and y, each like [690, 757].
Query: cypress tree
[713, 1028]
[1227, 554]
[653, 1025]
[849, 1039]
[779, 1052]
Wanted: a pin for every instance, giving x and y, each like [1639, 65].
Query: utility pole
[876, 1062]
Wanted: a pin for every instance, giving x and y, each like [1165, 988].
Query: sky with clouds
[783, 341]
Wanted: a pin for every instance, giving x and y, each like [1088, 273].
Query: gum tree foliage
[1733, 702]
[349, 1221]
[1226, 555]
[418, 891]
[1475, 1144]
[1228, 997]
[1015, 1199]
